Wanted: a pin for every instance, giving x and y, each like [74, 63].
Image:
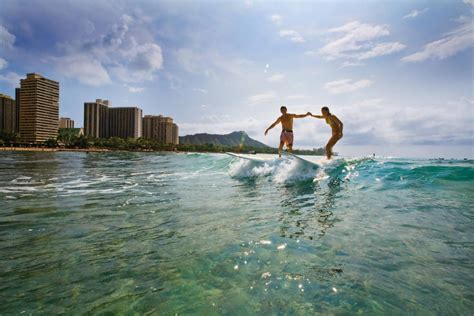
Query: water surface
[147, 233]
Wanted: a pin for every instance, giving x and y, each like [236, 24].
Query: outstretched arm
[300, 115]
[273, 125]
[317, 116]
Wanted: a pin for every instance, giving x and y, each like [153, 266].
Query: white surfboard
[301, 159]
[246, 157]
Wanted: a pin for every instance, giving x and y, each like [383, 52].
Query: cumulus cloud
[276, 78]
[276, 18]
[11, 78]
[346, 85]
[351, 64]
[203, 91]
[292, 35]
[141, 63]
[382, 49]
[414, 13]
[450, 44]
[7, 39]
[85, 69]
[211, 64]
[121, 51]
[133, 89]
[3, 63]
[262, 97]
[356, 40]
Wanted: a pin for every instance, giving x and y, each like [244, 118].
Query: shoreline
[54, 149]
[108, 150]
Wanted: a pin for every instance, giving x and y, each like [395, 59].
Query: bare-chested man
[336, 126]
[286, 120]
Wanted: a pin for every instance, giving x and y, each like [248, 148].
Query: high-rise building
[39, 108]
[96, 118]
[125, 122]
[66, 122]
[160, 128]
[175, 134]
[8, 115]
[17, 100]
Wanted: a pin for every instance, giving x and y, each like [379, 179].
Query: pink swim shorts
[286, 137]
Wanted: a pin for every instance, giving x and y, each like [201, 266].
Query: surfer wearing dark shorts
[336, 126]
[286, 136]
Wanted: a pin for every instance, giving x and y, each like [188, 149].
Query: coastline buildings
[125, 122]
[66, 122]
[161, 129]
[8, 115]
[34, 116]
[39, 108]
[96, 118]
[103, 121]
[175, 136]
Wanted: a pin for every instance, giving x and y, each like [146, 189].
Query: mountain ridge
[232, 139]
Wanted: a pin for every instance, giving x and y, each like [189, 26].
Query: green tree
[51, 143]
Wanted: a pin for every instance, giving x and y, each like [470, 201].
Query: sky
[399, 74]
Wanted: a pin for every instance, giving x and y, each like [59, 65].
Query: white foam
[280, 170]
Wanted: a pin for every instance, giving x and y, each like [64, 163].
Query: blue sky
[397, 73]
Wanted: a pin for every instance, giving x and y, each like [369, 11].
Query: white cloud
[351, 64]
[203, 91]
[124, 51]
[7, 39]
[452, 43]
[382, 49]
[12, 78]
[3, 63]
[276, 18]
[189, 60]
[134, 89]
[346, 85]
[356, 40]
[471, 2]
[276, 78]
[414, 13]
[292, 35]
[262, 97]
[355, 36]
[141, 63]
[85, 69]
[210, 63]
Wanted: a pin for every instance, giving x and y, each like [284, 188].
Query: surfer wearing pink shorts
[286, 136]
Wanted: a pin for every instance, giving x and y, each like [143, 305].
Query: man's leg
[289, 144]
[280, 148]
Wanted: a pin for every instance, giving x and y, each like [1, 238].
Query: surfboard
[253, 159]
[301, 159]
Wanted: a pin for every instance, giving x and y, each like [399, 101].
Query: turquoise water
[208, 234]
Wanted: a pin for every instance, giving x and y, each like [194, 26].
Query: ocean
[210, 234]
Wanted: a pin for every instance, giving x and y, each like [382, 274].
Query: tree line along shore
[70, 142]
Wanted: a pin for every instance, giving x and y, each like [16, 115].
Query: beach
[210, 234]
